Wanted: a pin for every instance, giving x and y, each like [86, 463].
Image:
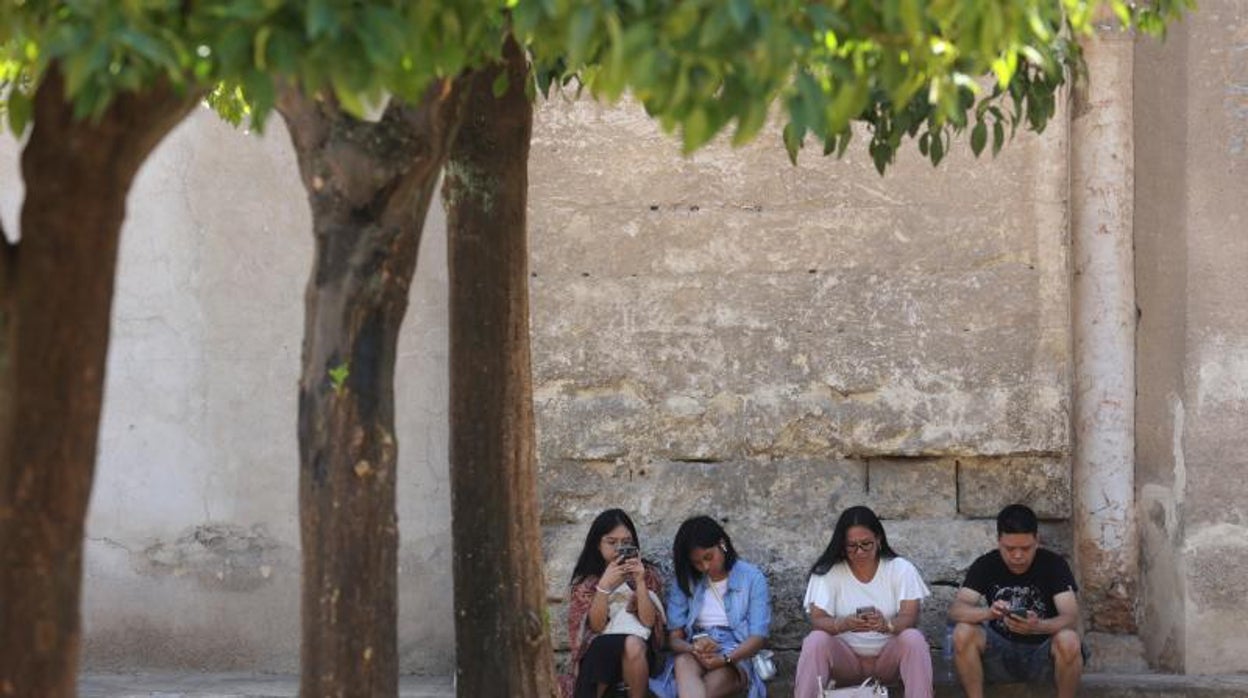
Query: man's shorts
[1007, 661]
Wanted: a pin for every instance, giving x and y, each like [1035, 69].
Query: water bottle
[946, 650]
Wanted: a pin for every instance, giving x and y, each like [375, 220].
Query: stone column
[1103, 299]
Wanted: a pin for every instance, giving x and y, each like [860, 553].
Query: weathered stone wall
[1192, 449]
[729, 334]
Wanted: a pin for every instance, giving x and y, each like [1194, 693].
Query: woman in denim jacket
[719, 612]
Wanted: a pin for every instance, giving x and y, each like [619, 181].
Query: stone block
[988, 484]
[918, 488]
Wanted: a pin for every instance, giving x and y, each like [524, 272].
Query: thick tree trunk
[501, 634]
[58, 290]
[369, 185]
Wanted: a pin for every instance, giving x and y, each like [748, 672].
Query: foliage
[355, 51]
[908, 68]
[923, 69]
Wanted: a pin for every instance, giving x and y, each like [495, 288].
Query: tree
[102, 83]
[905, 68]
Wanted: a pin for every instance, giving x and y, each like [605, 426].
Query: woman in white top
[863, 602]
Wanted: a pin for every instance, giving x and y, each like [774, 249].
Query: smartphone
[1018, 612]
[697, 636]
[626, 551]
[865, 611]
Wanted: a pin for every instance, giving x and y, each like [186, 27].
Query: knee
[912, 640]
[966, 637]
[1067, 648]
[634, 647]
[686, 664]
[816, 641]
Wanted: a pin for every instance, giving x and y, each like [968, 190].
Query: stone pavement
[270, 686]
[230, 685]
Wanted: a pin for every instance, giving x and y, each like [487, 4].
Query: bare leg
[689, 677]
[1067, 663]
[634, 667]
[969, 643]
[722, 682]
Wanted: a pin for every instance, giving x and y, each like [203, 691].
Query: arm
[642, 579]
[966, 608]
[907, 617]
[1067, 617]
[600, 608]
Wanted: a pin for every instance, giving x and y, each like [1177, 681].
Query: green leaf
[338, 376]
[501, 83]
[938, 147]
[320, 19]
[793, 137]
[740, 11]
[19, 108]
[998, 137]
[979, 137]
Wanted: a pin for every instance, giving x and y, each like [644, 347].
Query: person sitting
[1028, 629]
[863, 600]
[615, 613]
[719, 609]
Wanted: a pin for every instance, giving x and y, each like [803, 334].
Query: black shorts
[1008, 661]
[601, 664]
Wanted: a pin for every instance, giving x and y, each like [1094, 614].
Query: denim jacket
[747, 602]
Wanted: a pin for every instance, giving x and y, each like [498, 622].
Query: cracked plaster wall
[192, 557]
[1191, 213]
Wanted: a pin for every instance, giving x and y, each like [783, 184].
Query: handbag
[764, 665]
[623, 622]
[871, 688]
[763, 662]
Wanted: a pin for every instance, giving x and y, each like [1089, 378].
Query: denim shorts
[1007, 661]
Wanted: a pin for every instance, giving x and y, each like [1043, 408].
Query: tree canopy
[923, 69]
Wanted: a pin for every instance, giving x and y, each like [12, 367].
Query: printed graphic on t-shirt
[1026, 598]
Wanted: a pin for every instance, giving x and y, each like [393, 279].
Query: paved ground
[231, 686]
[269, 686]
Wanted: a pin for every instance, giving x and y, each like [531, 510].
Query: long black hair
[698, 532]
[591, 563]
[835, 552]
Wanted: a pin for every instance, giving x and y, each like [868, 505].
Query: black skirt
[601, 664]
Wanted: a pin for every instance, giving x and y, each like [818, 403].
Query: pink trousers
[905, 656]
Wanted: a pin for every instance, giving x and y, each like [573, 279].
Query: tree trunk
[501, 634]
[58, 291]
[369, 186]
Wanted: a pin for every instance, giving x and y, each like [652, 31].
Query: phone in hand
[864, 611]
[703, 642]
[626, 551]
[1018, 612]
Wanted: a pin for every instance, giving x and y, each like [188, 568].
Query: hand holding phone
[702, 643]
[864, 611]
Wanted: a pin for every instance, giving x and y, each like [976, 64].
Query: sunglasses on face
[865, 546]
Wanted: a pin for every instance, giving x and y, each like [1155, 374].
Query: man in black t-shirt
[1017, 614]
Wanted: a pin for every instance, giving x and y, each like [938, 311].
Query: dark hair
[835, 552]
[591, 563]
[698, 532]
[1017, 518]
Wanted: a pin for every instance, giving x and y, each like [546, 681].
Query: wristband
[601, 590]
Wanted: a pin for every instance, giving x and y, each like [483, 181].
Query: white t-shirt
[713, 612]
[839, 593]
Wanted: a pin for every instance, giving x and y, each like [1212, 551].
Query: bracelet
[601, 590]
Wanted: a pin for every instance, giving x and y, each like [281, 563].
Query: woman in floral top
[614, 631]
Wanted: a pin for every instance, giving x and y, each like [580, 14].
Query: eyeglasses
[865, 546]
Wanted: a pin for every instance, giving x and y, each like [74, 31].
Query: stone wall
[1192, 449]
[769, 344]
